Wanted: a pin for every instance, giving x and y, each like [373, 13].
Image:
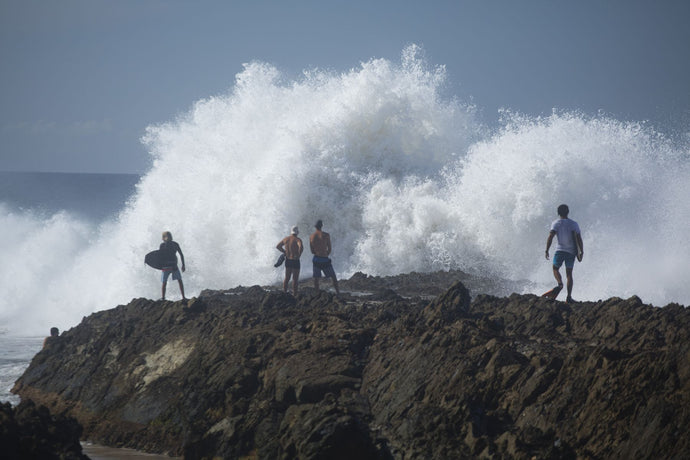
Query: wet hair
[563, 210]
[168, 234]
[54, 332]
[318, 224]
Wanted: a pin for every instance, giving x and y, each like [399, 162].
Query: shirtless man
[292, 247]
[320, 245]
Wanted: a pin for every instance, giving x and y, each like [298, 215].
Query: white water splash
[404, 179]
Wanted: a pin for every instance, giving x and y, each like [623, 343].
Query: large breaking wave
[404, 177]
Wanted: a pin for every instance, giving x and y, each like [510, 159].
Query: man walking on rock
[292, 247]
[320, 245]
[567, 231]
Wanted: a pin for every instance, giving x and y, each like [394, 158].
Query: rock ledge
[253, 372]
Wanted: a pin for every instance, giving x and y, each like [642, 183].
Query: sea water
[45, 218]
[15, 355]
[403, 175]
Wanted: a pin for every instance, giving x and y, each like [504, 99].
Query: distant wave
[403, 178]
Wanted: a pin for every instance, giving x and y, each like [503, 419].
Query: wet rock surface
[28, 432]
[391, 373]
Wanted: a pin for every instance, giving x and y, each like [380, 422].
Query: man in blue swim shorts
[320, 245]
[567, 232]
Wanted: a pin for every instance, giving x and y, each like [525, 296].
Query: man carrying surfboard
[569, 246]
[292, 247]
[168, 261]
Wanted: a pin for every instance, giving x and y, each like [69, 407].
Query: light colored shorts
[176, 275]
[562, 256]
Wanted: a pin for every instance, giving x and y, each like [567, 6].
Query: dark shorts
[562, 256]
[166, 272]
[322, 264]
[292, 263]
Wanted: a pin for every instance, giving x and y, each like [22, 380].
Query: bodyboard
[578, 246]
[280, 261]
[154, 260]
[553, 293]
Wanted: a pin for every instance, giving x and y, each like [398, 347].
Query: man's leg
[557, 275]
[330, 273]
[164, 282]
[316, 273]
[288, 272]
[569, 280]
[295, 280]
[181, 288]
[553, 294]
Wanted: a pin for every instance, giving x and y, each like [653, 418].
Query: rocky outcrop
[256, 373]
[28, 432]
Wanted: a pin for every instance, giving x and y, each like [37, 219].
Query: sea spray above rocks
[385, 374]
[403, 174]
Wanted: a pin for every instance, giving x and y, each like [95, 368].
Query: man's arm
[280, 246]
[548, 242]
[579, 240]
[301, 247]
[181, 256]
[311, 243]
[328, 244]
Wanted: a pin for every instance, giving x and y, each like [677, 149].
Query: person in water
[169, 250]
[320, 245]
[292, 247]
[566, 250]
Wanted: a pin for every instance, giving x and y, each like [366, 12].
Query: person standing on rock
[567, 232]
[169, 250]
[320, 245]
[292, 247]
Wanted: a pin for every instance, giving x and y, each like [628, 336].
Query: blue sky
[81, 79]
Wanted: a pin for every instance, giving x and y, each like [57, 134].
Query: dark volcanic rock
[257, 373]
[429, 284]
[28, 432]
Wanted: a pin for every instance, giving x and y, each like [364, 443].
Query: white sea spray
[404, 177]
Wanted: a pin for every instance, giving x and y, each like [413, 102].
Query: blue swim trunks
[324, 264]
[562, 256]
[166, 272]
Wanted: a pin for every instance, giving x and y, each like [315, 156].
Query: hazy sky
[81, 79]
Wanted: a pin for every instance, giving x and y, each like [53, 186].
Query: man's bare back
[320, 243]
[292, 246]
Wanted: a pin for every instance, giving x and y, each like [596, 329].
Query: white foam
[403, 177]
[624, 184]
